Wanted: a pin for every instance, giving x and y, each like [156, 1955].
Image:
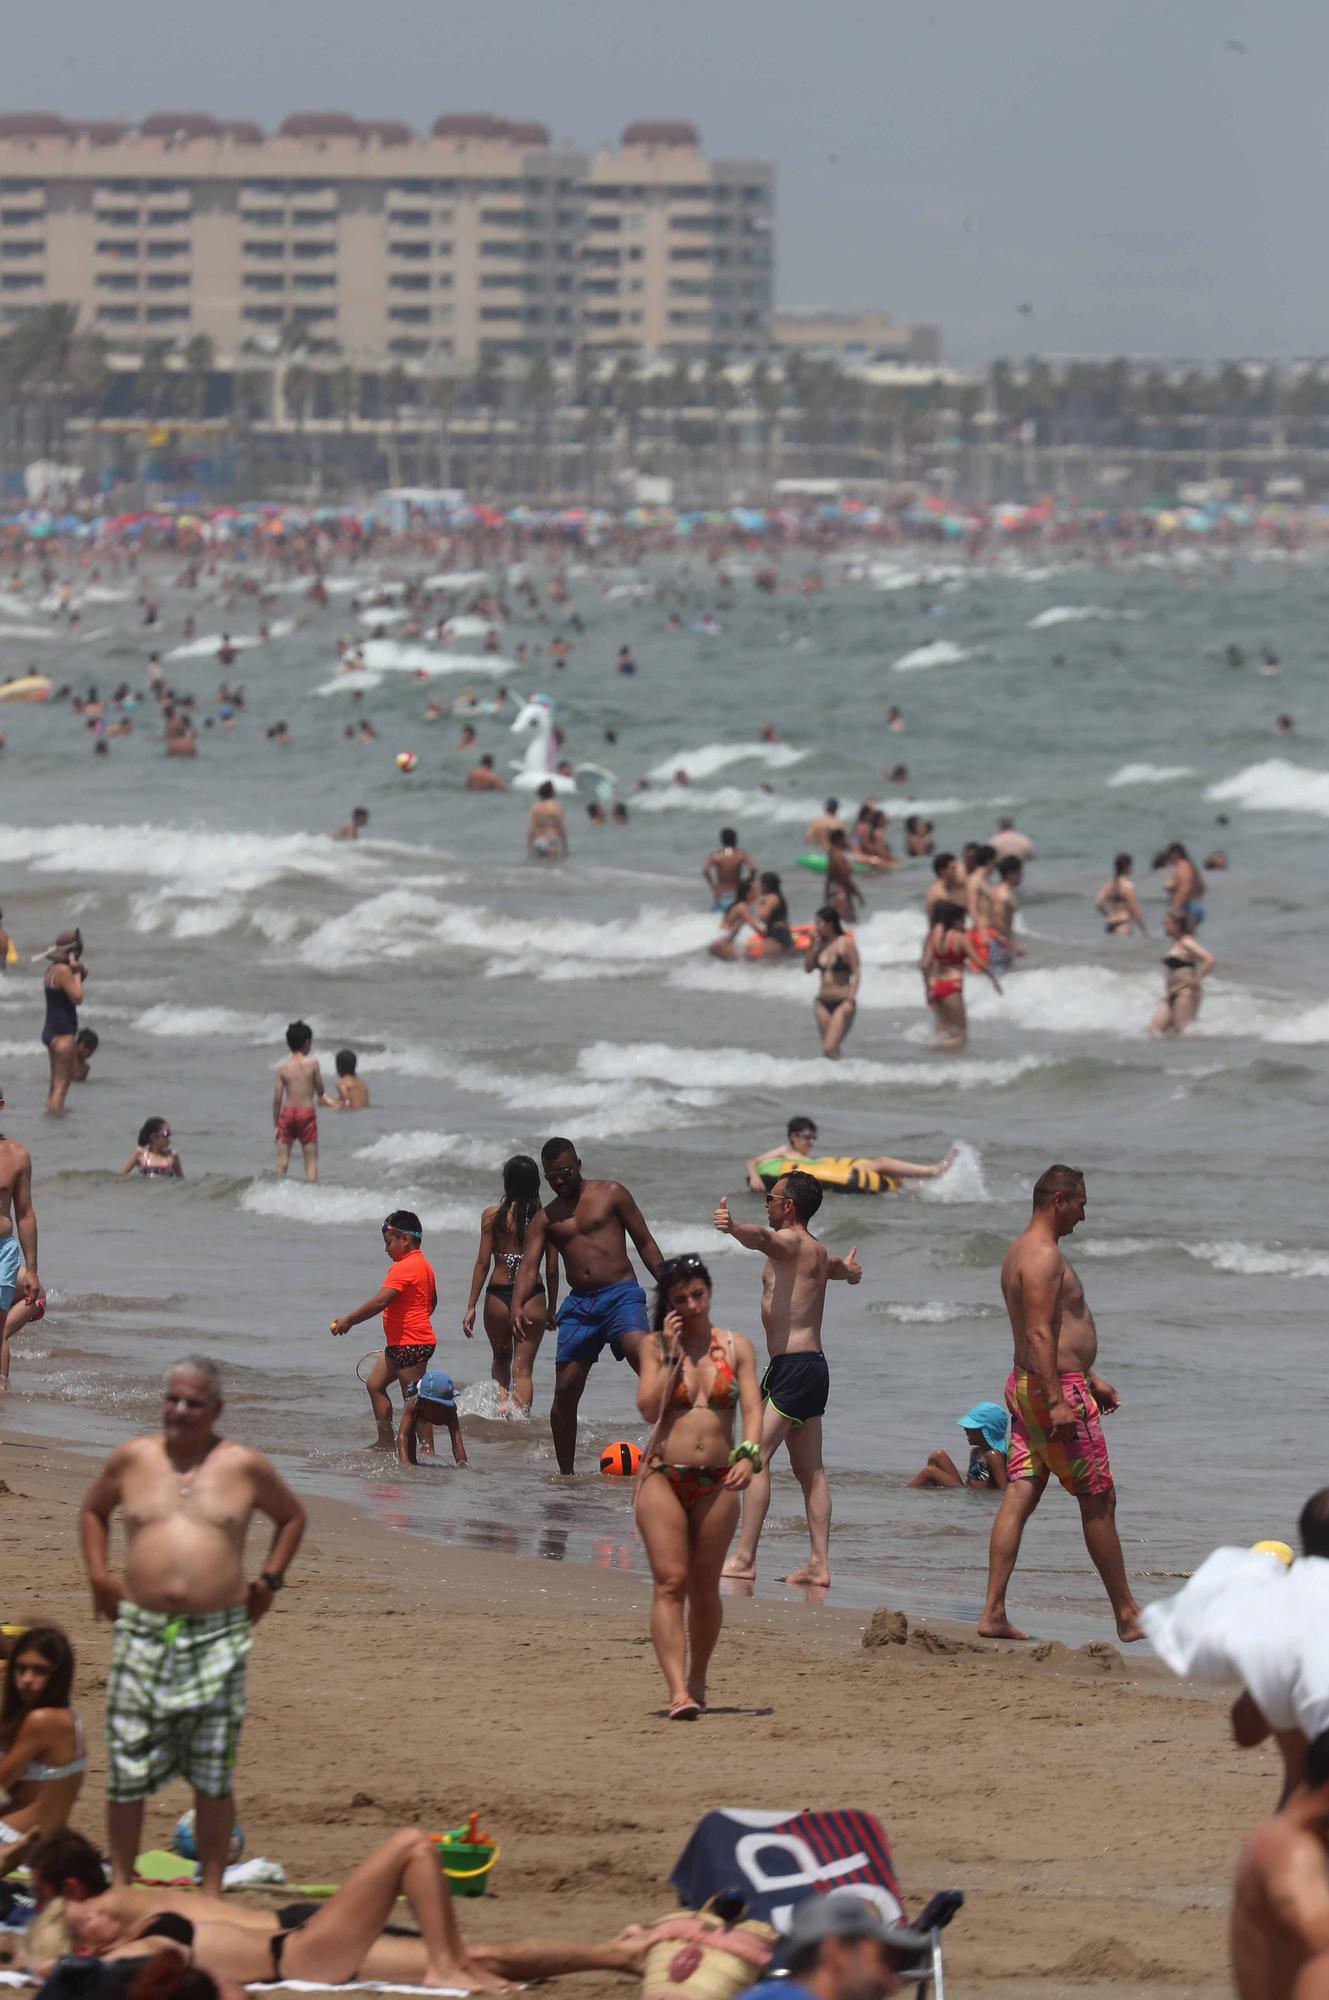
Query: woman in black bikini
[64, 995]
[693, 1379]
[1116, 903]
[502, 1240]
[835, 956]
[768, 914]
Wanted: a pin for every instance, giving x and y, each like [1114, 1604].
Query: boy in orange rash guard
[407, 1298]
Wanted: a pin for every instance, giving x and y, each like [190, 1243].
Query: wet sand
[1090, 1807]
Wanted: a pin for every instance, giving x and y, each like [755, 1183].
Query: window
[309, 249]
[313, 281]
[509, 218]
[689, 319]
[501, 247]
[167, 249]
[604, 319]
[445, 249]
[117, 281]
[19, 218]
[22, 281]
[311, 218]
[166, 315]
[408, 281]
[410, 344]
[162, 218]
[689, 288]
[20, 187]
[409, 315]
[417, 251]
[597, 256]
[691, 253]
[268, 250]
[117, 315]
[500, 312]
[315, 315]
[606, 222]
[601, 287]
[263, 281]
[263, 315]
[408, 218]
[167, 281]
[117, 246]
[20, 247]
[265, 218]
[500, 279]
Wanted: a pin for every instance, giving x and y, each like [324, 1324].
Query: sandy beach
[1090, 1807]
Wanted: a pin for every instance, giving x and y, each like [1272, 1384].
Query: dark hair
[940, 863]
[837, 837]
[487, 761]
[148, 1129]
[1057, 1180]
[672, 1272]
[360, 813]
[552, 1148]
[1121, 864]
[546, 791]
[87, 1038]
[66, 1856]
[828, 914]
[51, 1644]
[167, 1976]
[1315, 1770]
[769, 881]
[345, 1060]
[521, 1194]
[803, 1191]
[800, 1124]
[298, 1036]
[405, 1220]
[832, 805]
[1010, 864]
[949, 915]
[1313, 1524]
[984, 856]
[727, 836]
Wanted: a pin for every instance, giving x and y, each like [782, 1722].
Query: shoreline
[527, 1690]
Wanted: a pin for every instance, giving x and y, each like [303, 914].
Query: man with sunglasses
[796, 1386]
[589, 1223]
[800, 1144]
[18, 1247]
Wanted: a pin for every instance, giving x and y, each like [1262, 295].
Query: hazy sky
[1115, 164]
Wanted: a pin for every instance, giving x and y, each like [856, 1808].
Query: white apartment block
[378, 242]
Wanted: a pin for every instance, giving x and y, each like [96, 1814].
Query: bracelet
[750, 1452]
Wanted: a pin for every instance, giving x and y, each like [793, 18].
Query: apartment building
[852, 338]
[378, 242]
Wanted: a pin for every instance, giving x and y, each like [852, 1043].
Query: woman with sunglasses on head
[41, 1739]
[502, 1244]
[153, 1157]
[694, 1377]
[407, 1299]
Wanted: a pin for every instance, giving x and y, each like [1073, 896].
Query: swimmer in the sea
[482, 777]
[1002, 947]
[1185, 963]
[767, 914]
[547, 827]
[800, 1143]
[352, 1090]
[1116, 902]
[949, 949]
[354, 826]
[820, 829]
[835, 958]
[728, 871]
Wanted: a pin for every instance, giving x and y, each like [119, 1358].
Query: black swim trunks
[797, 1386]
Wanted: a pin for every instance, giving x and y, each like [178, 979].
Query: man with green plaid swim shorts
[184, 1613]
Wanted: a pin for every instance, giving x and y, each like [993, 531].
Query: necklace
[185, 1480]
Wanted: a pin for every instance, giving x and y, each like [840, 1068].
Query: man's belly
[183, 1566]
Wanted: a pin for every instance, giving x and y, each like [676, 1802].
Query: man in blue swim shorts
[18, 1247]
[589, 1223]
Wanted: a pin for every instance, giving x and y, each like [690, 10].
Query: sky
[1145, 176]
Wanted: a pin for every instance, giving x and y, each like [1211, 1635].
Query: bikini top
[38, 1773]
[724, 1382]
[155, 1165]
[950, 955]
[1177, 959]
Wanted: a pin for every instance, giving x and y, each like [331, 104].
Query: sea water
[495, 1001]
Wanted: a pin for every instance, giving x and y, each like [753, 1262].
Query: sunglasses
[680, 1267]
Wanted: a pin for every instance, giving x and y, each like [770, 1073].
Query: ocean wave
[1067, 614]
[1235, 1258]
[962, 1180]
[22, 1051]
[396, 925]
[1312, 1025]
[751, 1069]
[937, 653]
[399, 656]
[226, 863]
[205, 648]
[606, 1109]
[323, 1206]
[170, 1022]
[1149, 774]
[713, 757]
[728, 802]
[922, 1312]
[358, 681]
[421, 1149]
[384, 614]
[1275, 786]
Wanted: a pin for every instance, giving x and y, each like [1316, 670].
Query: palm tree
[767, 393]
[440, 396]
[586, 394]
[539, 390]
[487, 392]
[297, 384]
[198, 370]
[152, 383]
[249, 402]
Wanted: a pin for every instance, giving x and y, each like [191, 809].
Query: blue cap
[989, 1418]
[435, 1386]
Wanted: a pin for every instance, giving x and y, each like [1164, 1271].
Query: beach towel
[289, 1986]
[774, 1859]
[1245, 1617]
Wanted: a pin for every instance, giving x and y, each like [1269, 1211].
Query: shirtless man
[21, 1295]
[588, 1223]
[947, 885]
[820, 829]
[1278, 1932]
[728, 871]
[175, 1698]
[796, 1385]
[300, 1083]
[1055, 1398]
[546, 829]
[1002, 947]
[354, 826]
[1009, 840]
[842, 892]
[482, 777]
[977, 898]
[801, 1140]
[6, 941]
[66, 1864]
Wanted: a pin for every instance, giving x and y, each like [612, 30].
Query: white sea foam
[1236, 1259]
[962, 1180]
[937, 653]
[728, 802]
[420, 1149]
[400, 656]
[468, 626]
[1069, 1000]
[15, 607]
[924, 1312]
[1310, 1026]
[1275, 786]
[325, 1207]
[730, 1069]
[205, 648]
[1067, 614]
[713, 757]
[358, 681]
[14, 1051]
[395, 925]
[208, 862]
[600, 1110]
[175, 1023]
[383, 614]
[457, 579]
[27, 632]
[1149, 774]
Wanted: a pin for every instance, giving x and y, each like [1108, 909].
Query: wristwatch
[273, 1579]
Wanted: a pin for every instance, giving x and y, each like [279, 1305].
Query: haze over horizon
[1144, 180]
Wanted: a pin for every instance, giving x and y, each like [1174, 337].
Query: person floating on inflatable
[764, 1169]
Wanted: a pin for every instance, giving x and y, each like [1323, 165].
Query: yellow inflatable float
[844, 1175]
[29, 687]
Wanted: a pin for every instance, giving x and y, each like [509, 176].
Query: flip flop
[685, 1709]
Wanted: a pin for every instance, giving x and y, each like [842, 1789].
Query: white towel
[288, 1986]
[1245, 1617]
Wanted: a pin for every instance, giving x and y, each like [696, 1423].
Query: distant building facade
[852, 338]
[483, 236]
